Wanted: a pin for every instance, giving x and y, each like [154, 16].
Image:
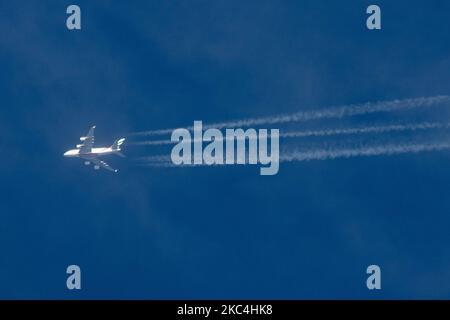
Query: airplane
[86, 151]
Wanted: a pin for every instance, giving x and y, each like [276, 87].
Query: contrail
[329, 154]
[362, 152]
[332, 112]
[158, 158]
[371, 129]
[331, 132]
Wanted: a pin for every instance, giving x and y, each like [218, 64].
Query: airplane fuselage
[95, 152]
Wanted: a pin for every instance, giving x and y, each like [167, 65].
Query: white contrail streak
[158, 158]
[329, 154]
[331, 132]
[362, 152]
[333, 112]
[371, 129]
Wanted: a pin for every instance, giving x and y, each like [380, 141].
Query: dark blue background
[223, 232]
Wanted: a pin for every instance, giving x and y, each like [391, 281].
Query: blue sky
[222, 232]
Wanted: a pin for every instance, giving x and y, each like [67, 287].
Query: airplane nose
[65, 154]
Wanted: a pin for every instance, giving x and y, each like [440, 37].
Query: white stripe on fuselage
[97, 152]
[93, 153]
[101, 150]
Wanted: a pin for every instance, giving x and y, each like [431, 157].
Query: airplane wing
[102, 164]
[88, 141]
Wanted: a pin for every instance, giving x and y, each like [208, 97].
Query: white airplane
[86, 151]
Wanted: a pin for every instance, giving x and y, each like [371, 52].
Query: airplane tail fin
[116, 145]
